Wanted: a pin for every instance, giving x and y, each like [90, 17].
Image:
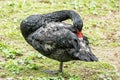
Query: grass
[20, 61]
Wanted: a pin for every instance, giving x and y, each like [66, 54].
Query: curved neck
[59, 16]
[63, 15]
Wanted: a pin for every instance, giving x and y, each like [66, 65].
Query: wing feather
[54, 36]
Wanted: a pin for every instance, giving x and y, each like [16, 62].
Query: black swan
[57, 40]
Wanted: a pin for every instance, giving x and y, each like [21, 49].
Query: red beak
[79, 34]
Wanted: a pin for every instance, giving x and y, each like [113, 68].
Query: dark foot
[55, 72]
[52, 72]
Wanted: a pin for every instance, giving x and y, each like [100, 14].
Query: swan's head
[85, 52]
[78, 24]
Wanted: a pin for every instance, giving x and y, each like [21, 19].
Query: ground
[110, 55]
[19, 61]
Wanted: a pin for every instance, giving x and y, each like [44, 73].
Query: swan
[55, 39]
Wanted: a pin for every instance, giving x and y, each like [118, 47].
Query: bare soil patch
[110, 55]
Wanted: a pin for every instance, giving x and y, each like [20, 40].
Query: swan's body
[55, 39]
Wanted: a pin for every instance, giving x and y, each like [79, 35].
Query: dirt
[110, 55]
[1, 59]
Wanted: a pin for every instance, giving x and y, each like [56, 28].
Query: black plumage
[57, 40]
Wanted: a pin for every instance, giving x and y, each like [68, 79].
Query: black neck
[59, 16]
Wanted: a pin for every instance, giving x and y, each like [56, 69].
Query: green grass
[20, 61]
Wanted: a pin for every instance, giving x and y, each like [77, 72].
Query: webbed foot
[55, 72]
[52, 71]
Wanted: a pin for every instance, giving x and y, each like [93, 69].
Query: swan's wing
[53, 36]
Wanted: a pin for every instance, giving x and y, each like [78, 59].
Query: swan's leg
[61, 67]
[56, 71]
